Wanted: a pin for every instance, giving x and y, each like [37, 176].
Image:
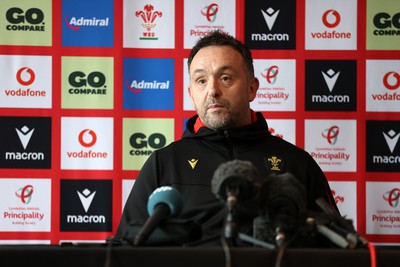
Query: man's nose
[213, 87]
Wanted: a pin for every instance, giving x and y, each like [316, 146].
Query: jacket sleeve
[135, 210]
[318, 187]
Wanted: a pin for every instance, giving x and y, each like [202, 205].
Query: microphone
[234, 181]
[165, 201]
[333, 236]
[282, 202]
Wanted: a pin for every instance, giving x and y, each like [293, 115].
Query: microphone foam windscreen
[165, 195]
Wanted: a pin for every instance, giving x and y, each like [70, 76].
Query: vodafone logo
[87, 138]
[25, 76]
[391, 80]
[331, 18]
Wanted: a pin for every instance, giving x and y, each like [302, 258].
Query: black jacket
[170, 166]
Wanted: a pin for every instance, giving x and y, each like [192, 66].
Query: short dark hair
[220, 38]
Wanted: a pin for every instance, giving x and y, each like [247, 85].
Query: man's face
[220, 87]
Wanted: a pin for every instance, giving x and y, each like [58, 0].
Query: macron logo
[270, 16]
[86, 198]
[330, 78]
[391, 139]
[24, 135]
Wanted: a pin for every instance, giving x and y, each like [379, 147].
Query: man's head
[222, 82]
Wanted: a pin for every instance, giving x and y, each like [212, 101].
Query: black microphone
[282, 202]
[234, 181]
[164, 202]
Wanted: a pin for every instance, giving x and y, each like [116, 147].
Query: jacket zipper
[232, 154]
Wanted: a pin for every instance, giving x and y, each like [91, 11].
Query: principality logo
[25, 194]
[148, 16]
[331, 134]
[210, 12]
[271, 74]
[392, 197]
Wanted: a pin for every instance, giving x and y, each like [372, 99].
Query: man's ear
[253, 87]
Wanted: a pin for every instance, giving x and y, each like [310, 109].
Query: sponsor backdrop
[89, 89]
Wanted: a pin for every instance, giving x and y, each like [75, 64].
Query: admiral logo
[331, 19]
[137, 86]
[144, 146]
[29, 20]
[25, 77]
[92, 84]
[75, 24]
[86, 205]
[270, 16]
[87, 138]
[386, 24]
[148, 16]
[382, 149]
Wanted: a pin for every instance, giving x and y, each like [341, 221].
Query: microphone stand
[231, 226]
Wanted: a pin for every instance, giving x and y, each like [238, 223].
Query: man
[222, 85]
